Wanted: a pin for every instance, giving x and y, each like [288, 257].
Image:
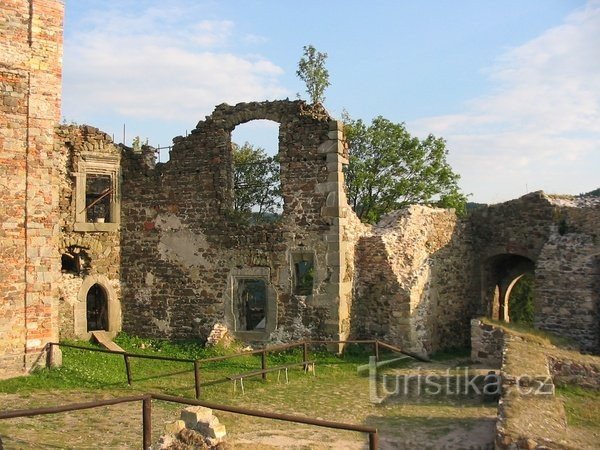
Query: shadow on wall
[416, 283]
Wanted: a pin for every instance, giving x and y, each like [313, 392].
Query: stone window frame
[297, 255]
[97, 164]
[80, 307]
[255, 273]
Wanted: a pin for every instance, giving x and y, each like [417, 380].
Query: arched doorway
[500, 274]
[97, 308]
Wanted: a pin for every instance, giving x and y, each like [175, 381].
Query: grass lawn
[337, 393]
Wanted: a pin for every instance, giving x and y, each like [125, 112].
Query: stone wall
[567, 296]
[556, 239]
[183, 251]
[487, 343]
[30, 85]
[414, 285]
[90, 250]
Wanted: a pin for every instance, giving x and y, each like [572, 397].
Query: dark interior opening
[69, 263]
[98, 193]
[97, 309]
[304, 276]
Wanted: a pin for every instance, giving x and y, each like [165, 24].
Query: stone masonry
[30, 84]
[98, 236]
[184, 252]
[90, 250]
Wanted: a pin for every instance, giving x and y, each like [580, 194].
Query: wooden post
[147, 422]
[49, 355]
[127, 368]
[197, 378]
[263, 357]
[373, 441]
[377, 351]
[305, 354]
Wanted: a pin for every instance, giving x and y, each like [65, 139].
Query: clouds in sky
[160, 67]
[540, 126]
[162, 64]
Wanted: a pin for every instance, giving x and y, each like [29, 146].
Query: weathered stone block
[194, 414]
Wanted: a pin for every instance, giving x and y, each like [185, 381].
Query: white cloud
[163, 62]
[540, 127]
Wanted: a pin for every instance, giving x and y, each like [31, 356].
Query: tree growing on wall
[312, 70]
[256, 184]
[390, 169]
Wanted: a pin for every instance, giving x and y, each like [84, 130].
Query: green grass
[582, 406]
[335, 393]
[83, 369]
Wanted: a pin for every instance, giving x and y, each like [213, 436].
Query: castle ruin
[98, 236]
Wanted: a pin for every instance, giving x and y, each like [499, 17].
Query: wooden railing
[146, 400]
[197, 363]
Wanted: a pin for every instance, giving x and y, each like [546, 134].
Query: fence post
[127, 368]
[305, 354]
[377, 350]
[263, 358]
[197, 378]
[147, 422]
[373, 441]
[49, 355]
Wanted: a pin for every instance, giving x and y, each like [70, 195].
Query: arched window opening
[520, 303]
[256, 172]
[97, 309]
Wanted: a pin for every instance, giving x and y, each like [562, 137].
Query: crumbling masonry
[98, 236]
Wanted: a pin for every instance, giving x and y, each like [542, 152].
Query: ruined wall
[567, 295]
[30, 79]
[89, 246]
[183, 251]
[559, 237]
[414, 285]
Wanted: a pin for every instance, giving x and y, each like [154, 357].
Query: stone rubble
[197, 428]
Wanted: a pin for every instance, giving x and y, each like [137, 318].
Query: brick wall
[30, 84]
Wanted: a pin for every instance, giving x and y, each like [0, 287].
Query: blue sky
[514, 86]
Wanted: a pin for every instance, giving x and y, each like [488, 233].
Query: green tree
[311, 70]
[390, 169]
[256, 184]
[520, 303]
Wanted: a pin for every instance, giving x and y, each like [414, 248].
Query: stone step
[103, 338]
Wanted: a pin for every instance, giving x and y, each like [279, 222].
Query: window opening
[251, 300]
[69, 263]
[256, 172]
[98, 196]
[304, 275]
[97, 309]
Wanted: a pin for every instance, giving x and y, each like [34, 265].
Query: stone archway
[500, 273]
[94, 290]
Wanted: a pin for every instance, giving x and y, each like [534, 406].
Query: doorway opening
[97, 309]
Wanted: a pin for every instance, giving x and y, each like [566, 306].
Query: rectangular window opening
[251, 305]
[304, 272]
[98, 198]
